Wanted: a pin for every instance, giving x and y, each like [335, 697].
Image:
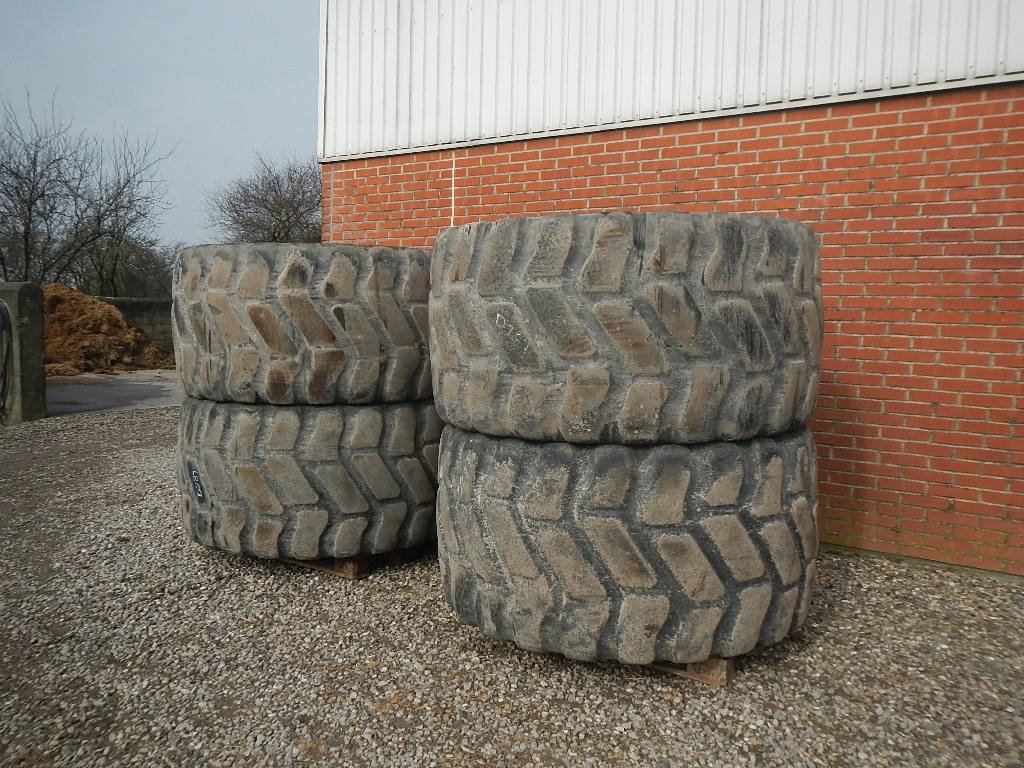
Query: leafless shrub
[279, 202]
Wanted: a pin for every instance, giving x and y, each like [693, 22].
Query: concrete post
[24, 377]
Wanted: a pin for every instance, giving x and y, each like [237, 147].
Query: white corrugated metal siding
[402, 75]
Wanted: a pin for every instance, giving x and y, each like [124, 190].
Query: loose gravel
[122, 643]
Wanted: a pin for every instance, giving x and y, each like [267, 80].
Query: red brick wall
[919, 203]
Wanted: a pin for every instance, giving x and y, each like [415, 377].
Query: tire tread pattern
[671, 553]
[301, 323]
[306, 482]
[628, 328]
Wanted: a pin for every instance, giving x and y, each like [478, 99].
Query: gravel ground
[121, 643]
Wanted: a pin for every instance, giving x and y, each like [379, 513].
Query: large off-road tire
[301, 323]
[306, 482]
[668, 553]
[626, 328]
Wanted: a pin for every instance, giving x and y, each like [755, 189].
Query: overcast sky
[217, 80]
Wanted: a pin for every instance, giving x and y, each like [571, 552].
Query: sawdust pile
[85, 335]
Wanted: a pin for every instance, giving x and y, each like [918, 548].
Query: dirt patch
[85, 335]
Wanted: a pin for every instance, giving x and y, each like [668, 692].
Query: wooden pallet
[713, 671]
[361, 566]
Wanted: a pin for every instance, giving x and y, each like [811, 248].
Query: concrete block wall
[26, 380]
[151, 316]
[919, 204]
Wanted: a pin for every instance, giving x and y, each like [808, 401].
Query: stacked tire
[626, 473]
[308, 429]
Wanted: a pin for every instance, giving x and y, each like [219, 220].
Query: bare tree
[68, 199]
[129, 267]
[278, 202]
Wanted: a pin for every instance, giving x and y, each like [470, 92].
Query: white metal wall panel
[402, 75]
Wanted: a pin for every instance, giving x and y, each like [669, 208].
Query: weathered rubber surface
[669, 553]
[626, 328]
[306, 482]
[301, 323]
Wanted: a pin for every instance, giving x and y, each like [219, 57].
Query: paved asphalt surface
[102, 392]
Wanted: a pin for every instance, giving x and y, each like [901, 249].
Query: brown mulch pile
[86, 335]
